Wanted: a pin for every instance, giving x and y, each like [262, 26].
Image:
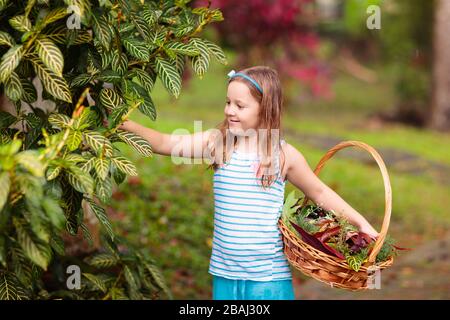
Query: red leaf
[327, 234]
[316, 243]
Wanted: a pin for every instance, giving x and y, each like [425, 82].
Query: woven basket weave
[329, 269]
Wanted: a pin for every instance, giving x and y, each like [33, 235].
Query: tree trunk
[439, 116]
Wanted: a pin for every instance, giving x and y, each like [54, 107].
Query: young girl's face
[241, 108]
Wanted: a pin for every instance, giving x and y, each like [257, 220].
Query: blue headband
[232, 74]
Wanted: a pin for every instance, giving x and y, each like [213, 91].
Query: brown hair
[271, 105]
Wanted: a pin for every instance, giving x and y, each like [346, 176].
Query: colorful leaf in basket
[358, 241]
[316, 243]
[323, 236]
[354, 262]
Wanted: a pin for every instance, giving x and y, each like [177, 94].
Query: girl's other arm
[189, 145]
[300, 175]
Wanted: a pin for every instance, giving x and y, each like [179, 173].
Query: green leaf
[4, 190]
[96, 281]
[74, 139]
[37, 252]
[52, 172]
[10, 61]
[20, 23]
[102, 167]
[169, 76]
[50, 55]
[132, 281]
[80, 80]
[11, 288]
[29, 160]
[58, 119]
[144, 79]
[54, 15]
[142, 26]
[103, 188]
[187, 49]
[6, 119]
[98, 143]
[137, 142]
[102, 217]
[109, 76]
[103, 31]
[215, 51]
[55, 85]
[354, 262]
[118, 113]
[200, 63]
[80, 180]
[6, 39]
[13, 87]
[110, 99]
[157, 276]
[103, 260]
[150, 16]
[125, 165]
[119, 62]
[137, 49]
[54, 212]
[29, 93]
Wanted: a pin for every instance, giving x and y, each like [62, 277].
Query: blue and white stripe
[247, 243]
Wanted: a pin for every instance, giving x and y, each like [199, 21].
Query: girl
[247, 260]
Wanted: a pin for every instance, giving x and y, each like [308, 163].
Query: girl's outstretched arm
[300, 175]
[183, 145]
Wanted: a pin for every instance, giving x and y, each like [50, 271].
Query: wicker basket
[330, 269]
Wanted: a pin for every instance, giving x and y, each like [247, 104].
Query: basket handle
[387, 188]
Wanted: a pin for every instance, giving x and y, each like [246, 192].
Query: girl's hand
[369, 230]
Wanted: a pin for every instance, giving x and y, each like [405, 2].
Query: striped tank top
[247, 243]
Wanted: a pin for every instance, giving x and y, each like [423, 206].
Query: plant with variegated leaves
[54, 161]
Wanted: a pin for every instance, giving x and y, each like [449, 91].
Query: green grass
[169, 209]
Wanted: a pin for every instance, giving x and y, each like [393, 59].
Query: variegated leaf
[103, 31]
[137, 49]
[55, 85]
[98, 143]
[183, 48]
[80, 180]
[50, 55]
[58, 119]
[29, 93]
[103, 260]
[20, 23]
[125, 165]
[110, 99]
[119, 62]
[200, 63]
[10, 61]
[102, 217]
[169, 76]
[96, 281]
[137, 142]
[5, 182]
[6, 39]
[215, 51]
[74, 140]
[103, 188]
[102, 167]
[13, 87]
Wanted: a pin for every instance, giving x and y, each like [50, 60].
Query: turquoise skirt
[228, 289]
